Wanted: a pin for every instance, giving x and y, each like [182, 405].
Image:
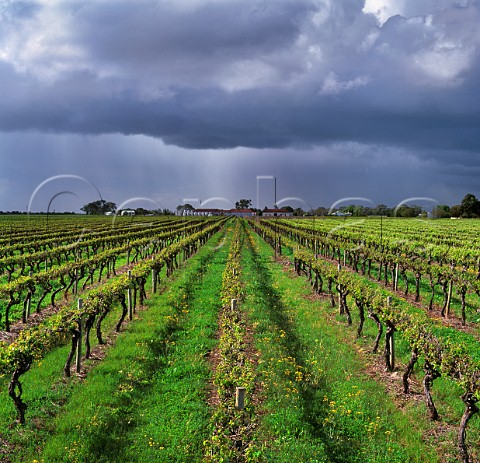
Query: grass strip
[319, 405]
[175, 416]
[447, 394]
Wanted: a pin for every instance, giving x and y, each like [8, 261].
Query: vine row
[442, 351]
[75, 322]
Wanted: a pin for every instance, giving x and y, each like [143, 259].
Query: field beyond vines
[232, 340]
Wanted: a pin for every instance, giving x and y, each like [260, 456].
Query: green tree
[183, 207]
[470, 206]
[99, 207]
[356, 210]
[321, 211]
[442, 211]
[409, 211]
[299, 212]
[243, 204]
[381, 209]
[142, 211]
[456, 211]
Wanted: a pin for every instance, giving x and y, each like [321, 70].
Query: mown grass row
[319, 405]
[146, 401]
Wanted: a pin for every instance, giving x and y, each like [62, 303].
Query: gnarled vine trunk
[409, 370]
[471, 408]
[75, 340]
[15, 387]
[361, 311]
[375, 318]
[430, 375]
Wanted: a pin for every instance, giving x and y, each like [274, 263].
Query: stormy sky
[156, 103]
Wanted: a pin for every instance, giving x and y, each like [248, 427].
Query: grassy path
[319, 406]
[146, 401]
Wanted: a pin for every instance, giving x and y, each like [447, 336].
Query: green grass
[319, 404]
[146, 401]
[446, 393]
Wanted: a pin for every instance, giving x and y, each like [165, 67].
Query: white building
[276, 213]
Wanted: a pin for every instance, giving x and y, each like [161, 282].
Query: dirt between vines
[214, 359]
[374, 367]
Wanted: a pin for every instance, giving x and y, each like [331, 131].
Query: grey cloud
[213, 118]
[13, 11]
[158, 43]
[275, 77]
[121, 33]
[149, 69]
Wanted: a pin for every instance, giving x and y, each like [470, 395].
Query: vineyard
[184, 339]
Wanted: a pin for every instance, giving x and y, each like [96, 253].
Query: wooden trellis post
[395, 284]
[154, 280]
[240, 398]
[75, 283]
[29, 301]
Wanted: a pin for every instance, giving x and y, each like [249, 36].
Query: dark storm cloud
[356, 89]
[185, 72]
[156, 35]
[213, 118]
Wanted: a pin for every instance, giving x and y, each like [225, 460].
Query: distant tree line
[102, 207]
[35, 213]
[468, 208]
